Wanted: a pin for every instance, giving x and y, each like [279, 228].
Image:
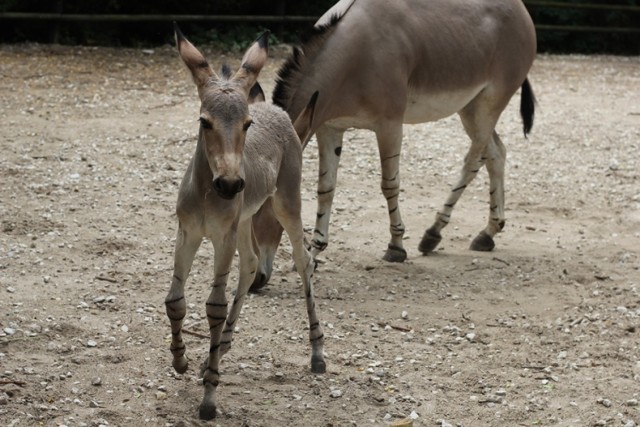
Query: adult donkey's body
[379, 64]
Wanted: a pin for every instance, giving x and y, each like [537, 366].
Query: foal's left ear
[253, 61]
[193, 59]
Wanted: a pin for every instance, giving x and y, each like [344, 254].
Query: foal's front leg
[187, 244]
[225, 249]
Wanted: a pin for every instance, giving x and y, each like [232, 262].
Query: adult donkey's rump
[379, 64]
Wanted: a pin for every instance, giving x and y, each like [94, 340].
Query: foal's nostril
[240, 185]
[228, 187]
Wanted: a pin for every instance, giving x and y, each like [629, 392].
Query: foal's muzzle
[227, 188]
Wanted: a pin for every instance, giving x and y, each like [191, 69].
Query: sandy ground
[542, 331]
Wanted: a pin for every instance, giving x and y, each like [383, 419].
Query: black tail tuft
[527, 107]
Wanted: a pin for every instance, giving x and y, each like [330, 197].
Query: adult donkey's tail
[527, 106]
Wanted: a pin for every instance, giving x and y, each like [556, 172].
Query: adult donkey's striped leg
[329, 149]
[225, 249]
[496, 155]
[187, 244]
[247, 249]
[390, 145]
[479, 127]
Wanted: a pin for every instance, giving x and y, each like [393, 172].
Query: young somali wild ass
[246, 156]
[379, 64]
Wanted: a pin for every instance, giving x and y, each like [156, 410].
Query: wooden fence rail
[284, 19]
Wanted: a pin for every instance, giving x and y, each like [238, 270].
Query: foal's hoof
[317, 365]
[259, 282]
[395, 254]
[483, 243]
[207, 411]
[430, 240]
[180, 365]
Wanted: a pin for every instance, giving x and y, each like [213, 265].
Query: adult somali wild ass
[246, 155]
[379, 64]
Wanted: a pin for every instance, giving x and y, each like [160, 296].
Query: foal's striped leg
[187, 245]
[225, 249]
[288, 214]
[329, 149]
[389, 145]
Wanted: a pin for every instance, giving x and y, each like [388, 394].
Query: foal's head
[224, 110]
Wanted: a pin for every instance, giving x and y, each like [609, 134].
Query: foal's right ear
[303, 124]
[193, 59]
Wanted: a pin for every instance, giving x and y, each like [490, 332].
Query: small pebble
[91, 343]
[335, 393]
[632, 402]
[96, 381]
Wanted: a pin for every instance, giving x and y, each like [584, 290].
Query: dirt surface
[544, 330]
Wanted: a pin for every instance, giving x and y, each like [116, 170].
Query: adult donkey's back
[379, 64]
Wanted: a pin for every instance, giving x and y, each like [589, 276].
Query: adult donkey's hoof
[483, 243]
[430, 240]
[207, 411]
[259, 282]
[395, 254]
[318, 366]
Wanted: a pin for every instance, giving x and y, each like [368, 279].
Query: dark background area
[236, 35]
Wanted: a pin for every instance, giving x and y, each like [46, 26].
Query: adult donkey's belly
[428, 107]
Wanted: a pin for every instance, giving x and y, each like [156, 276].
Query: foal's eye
[206, 124]
[246, 125]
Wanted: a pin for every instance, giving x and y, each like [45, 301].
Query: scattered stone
[632, 402]
[91, 343]
[96, 381]
[335, 393]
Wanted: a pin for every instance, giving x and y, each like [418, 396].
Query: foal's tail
[527, 106]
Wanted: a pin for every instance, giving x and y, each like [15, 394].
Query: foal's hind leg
[187, 244]
[288, 213]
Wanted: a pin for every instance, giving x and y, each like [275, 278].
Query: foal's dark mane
[292, 70]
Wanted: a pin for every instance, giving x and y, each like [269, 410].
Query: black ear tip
[314, 97]
[263, 39]
[176, 29]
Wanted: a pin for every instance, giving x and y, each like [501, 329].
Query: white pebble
[335, 393]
